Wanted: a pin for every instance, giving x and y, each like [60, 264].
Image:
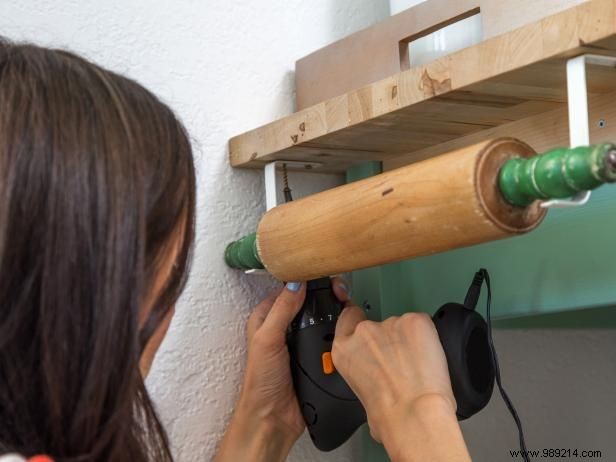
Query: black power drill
[331, 410]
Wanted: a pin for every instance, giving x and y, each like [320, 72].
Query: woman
[97, 205]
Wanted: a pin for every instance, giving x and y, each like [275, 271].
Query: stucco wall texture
[227, 66]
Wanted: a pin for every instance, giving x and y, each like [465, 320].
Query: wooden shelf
[508, 78]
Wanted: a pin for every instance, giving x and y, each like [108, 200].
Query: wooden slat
[508, 78]
[374, 53]
[544, 131]
[381, 50]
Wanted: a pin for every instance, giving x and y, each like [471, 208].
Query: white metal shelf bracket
[579, 122]
[271, 188]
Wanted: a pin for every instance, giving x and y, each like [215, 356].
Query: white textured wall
[396, 6]
[225, 66]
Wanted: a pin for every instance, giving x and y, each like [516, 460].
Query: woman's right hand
[399, 372]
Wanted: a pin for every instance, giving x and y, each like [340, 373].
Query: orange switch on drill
[328, 364]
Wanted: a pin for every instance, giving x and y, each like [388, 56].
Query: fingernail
[345, 287]
[294, 286]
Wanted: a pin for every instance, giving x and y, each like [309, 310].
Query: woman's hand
[267, 420]
[398, 370]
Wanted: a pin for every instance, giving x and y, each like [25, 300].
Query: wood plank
[499, 81]
[542, 132]
[371, 54]
[505, 15]
[381, 50]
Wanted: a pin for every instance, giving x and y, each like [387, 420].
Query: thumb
[259, 315]
[341, 290]
[286, 306]
[348, 320]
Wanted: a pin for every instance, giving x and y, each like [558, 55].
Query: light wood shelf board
[509, 78]
[543, 131]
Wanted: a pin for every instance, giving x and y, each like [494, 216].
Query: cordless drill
[331, 410]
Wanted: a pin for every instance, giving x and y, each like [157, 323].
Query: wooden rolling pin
[443, 203]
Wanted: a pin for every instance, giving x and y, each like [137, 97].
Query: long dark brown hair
[96, 177]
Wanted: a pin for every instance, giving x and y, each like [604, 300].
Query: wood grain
[505, 79]
[381, 50]
[371, 54]
[440, 204]
[544, 131]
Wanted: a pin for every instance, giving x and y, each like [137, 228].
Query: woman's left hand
[268, 388]
[267, 420]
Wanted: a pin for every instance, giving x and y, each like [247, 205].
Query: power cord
[470, 302]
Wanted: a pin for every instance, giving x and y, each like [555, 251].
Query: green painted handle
[243, 254]
[557, 174]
